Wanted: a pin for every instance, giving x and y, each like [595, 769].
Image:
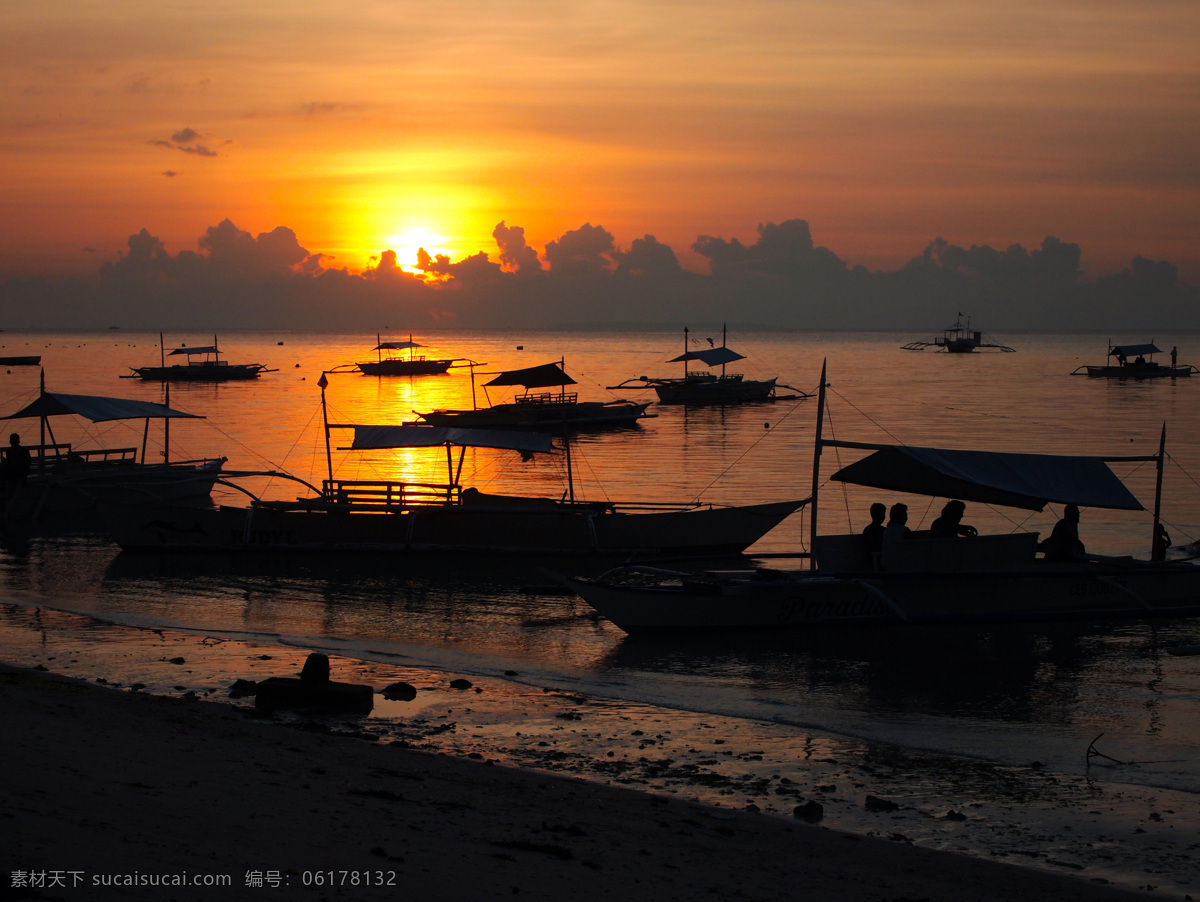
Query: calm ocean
[1008, 697]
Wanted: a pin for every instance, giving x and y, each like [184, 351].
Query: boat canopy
[397, 345]
[710, 356]
[1028, 481]
[533, 377]
[210, 349]
[1133, 350]
[96, 408]
[418, 435]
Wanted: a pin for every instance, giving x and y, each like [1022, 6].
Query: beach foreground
[119, 795]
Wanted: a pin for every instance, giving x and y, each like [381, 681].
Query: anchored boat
[921, 580]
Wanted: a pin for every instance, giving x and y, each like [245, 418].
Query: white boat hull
[810, 599]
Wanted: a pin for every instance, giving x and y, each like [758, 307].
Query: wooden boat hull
[20, 361]
[72, 499]
[547, 417]
[543, 526]
[199, 372]
[397, 367]
[813, 600]
[1140, 371]
[714, 393]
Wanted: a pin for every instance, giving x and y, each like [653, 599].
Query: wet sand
[105, 786]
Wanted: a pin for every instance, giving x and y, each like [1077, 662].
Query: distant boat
[20, 361]
[1136, 362]
[957, 339]
[398, 364]
[209, 368]
[66, 481]
[407, 517]
[701, 388]
[548, 411]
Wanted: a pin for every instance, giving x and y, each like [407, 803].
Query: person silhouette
[17, 462]
[1064, 543]
[872, 533]
[949, 525]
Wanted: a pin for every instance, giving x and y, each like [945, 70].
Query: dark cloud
[585, 251]
[514, 252]
[784, 280]
[184, 141]
[170, 173]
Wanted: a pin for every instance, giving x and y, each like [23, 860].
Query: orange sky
[368, 127]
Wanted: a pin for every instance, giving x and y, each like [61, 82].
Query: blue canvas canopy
[416, 435]
[533, 377]
[1028, 481]
[96, 408]
[1134, 350]
[710, 356]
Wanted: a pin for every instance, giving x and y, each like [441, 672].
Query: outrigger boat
[921, 580]
[957, 339]
[549, 411]
[204, 364]
[397, 364]
[396, 516]
[1136, 362]
[70, 482]
[700, 388]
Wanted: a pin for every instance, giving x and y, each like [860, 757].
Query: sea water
[1093, 717]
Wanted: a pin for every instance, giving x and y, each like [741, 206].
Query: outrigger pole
[1158, 549]
[816, 470]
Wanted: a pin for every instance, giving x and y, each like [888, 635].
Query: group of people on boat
[1063, 544]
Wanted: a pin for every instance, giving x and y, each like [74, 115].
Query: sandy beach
[112, 794]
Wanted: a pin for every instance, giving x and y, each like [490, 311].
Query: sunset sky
[387, 125]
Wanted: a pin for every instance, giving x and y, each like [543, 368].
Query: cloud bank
[585, 279]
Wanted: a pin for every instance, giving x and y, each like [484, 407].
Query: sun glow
[407, 243]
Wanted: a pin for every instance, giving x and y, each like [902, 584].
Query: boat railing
[54, 456]
[387, 495]
[548, 398]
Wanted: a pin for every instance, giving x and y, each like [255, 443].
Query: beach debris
[1093, 752]
[810, 812]
[399, 692]
[243, 688]
[874, 803]
[460, 684]
[313, 691]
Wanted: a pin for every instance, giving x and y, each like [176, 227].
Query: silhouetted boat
[957, 339]
[399, 516]
[71, 481]
[1136, 362]
[20, 361]
[700, 388]
[921, 580]
[204, 364]
[549, 411]
[395, 363]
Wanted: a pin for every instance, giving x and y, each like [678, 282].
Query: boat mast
[378, 348]
[685, 352]
[816, 469]
[1158, 551]
[325, 420]
[723, 329]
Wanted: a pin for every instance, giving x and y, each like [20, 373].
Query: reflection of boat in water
[698, 388]
[991, 578]
[957, 339]
[1136, 362]
[396, 363]
[400, 516]
[549, 411]
[65, 480]
[204, 364]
